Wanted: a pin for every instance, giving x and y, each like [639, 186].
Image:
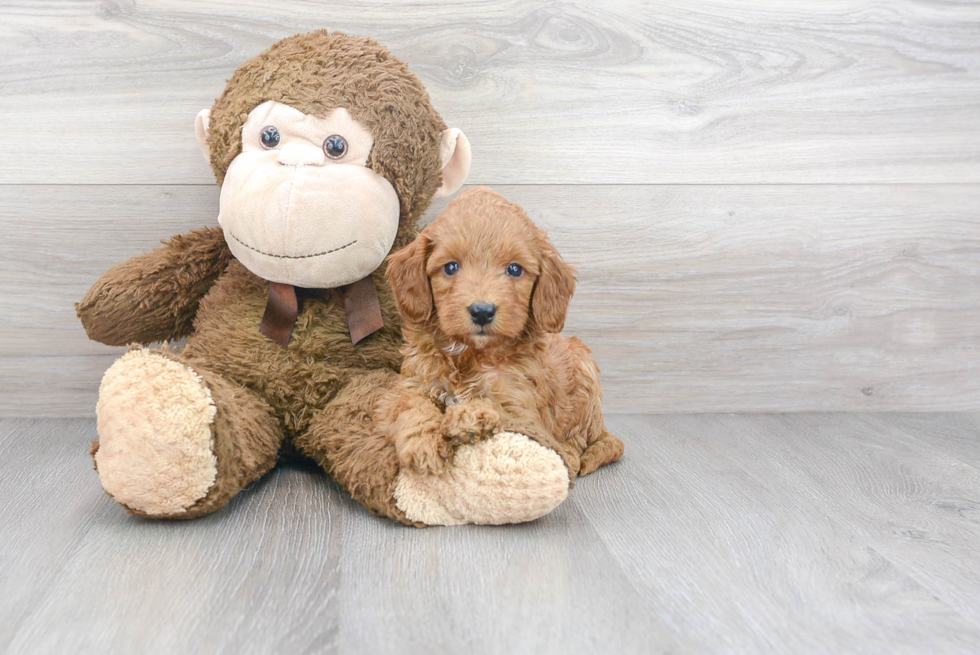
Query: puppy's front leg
[414, 424]
[470, 421]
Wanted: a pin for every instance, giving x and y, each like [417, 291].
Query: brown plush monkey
[328, 151]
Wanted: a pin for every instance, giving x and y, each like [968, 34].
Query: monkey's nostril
[482, 313]
[292, 154]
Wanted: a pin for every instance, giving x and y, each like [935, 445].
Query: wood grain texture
[718, 91]
[774, 292]
[694, 298]
[882, 478]
[289, 566]
[735, 534]
[781, 567]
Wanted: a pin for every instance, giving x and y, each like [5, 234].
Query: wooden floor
[806, 533]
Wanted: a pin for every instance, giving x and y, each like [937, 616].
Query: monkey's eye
[270, 137]
[335, 146]
[515, 270]
[450, 268]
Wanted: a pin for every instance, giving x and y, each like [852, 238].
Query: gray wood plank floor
[801, 533]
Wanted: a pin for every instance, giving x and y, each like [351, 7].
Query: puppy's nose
[482, 312]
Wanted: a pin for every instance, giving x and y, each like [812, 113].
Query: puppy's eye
[515, 270]
[450, 268]
[270, 137]
[335, 146]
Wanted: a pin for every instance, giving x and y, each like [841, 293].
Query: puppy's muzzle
[482, 313]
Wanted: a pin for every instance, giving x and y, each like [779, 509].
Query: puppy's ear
[553, 289]
[409, 283]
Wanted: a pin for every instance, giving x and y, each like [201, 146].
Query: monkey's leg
[340, 438]
[176, 441]
[507, 478]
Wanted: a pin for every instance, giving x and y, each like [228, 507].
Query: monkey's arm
[153, 297]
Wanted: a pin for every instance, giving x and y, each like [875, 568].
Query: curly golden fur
[470, 370]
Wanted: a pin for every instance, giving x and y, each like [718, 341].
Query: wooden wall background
[773, 206]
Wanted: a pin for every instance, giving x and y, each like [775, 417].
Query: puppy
[483, 294]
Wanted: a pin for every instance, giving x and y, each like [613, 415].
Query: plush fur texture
[531, 481]
[170, 447]
[319, 71]
[294, 216]
[318, 394]
[462, 380]
[154, 297]
[268, 396]
[244, 436]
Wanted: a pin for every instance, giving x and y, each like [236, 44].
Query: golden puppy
[483, 295]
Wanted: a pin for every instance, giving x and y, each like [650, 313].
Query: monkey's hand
[154, 296]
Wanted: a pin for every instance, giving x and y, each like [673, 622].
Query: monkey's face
[315, 192]
[300, 206]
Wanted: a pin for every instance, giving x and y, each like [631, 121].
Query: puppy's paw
[425, 452]
[470, 422]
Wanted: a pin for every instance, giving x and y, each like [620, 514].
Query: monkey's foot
[505, 479]
[154, 453]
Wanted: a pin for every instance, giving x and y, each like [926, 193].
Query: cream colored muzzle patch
[154, 424]
[508, 478]
[310, 226]
[294, 214]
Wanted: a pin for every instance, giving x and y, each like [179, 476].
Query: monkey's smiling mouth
[269, 254]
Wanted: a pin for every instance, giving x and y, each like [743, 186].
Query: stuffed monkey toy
[328, 151]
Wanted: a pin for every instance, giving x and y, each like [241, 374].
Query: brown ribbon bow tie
[360, 303]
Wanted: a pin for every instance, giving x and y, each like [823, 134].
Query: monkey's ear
[454, 150]
[409, 282]
[201, 130]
